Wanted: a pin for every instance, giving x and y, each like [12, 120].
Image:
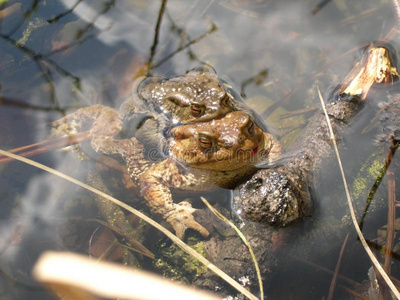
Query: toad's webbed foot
[181, 218]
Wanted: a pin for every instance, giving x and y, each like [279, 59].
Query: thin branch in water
[335, 275]
[26, 15]
[107, 7]
[257, 79]
[83, 31]
[48, 76]
[58, 17]
[319, 6]
[371, 195]
[71, 45]
[375, 187]
[40, 58]
[188, 44]
[156, 35]
[23, 105]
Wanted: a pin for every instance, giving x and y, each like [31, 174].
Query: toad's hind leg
[157, 193]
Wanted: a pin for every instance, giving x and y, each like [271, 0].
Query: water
[57, 56]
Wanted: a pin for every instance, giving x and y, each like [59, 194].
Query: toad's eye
[197, 109]
[250, 128]
[205, 142]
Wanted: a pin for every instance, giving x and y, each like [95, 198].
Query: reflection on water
[59, 55]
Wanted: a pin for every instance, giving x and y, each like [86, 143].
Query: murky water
[59, 55]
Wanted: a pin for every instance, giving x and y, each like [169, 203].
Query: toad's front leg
[100, 120]
[155, 186]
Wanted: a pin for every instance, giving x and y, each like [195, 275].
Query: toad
[157, 105]
[197, 96]
[202, 156]
[218, 148]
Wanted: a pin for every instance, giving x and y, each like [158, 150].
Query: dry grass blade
[47, 145]
[168, 233]
[77, 277]
[350, 204]
[243, 238]
[396, 7]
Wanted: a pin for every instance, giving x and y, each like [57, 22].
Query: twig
[257, 79]
[188, 44]
[5, 101]
[335, 275]
[371, 194]
[350, 204]
[25, 16]
[39, 58]
[156, 34]
[320, 6]
[168, 233]
[58, 17]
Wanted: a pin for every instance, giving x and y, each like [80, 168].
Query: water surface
[57, 56]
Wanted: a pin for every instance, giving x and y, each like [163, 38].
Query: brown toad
[203, 156]
[155, 106]
[194, 97]
[159, 104]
